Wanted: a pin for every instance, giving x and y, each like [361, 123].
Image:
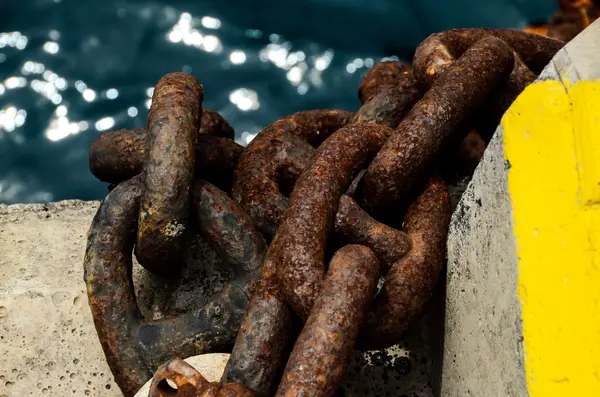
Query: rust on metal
[134, 347]
[186, 381]
[532, 53]
[387, 93]
[354, 226]
[409, 283]
[173, 122]
[412, 267]
[437, 118]
[268, 167]
[264, 340]
[313, 181]
[116, 156]
[107, 269]
[388, 106]
[231, 233]
[434, 56]
[215, 125]
[298, 248]
[320, 357]
[569, 21]
[216, 160]
[120, 155]
[235, 390]
[279, 153]
[384, 75]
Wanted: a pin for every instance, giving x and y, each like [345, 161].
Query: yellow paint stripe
[552, 141]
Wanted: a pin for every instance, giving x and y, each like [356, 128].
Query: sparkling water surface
[72, 69]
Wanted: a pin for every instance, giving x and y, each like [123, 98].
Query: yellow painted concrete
[552, 141]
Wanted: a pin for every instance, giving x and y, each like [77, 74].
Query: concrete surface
[482, 346]
[48, 344]
[484, 352]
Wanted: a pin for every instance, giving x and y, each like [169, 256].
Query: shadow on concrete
[433, 326]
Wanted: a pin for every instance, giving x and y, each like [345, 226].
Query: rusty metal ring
[298, 248]
[411, 260]
[397, 81]
[440, 117]
[135, 347]
[531, 53]
[116, 156]
[173, 122]
[119, 155]
[274, 158]
[436, 54]
[322, 351]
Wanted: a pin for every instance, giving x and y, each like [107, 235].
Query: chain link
[344, 199]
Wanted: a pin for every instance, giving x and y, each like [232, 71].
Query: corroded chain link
[166, 197]
[343, 198]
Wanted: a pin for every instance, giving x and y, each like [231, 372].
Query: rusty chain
[343, 198]
[134, 346]
[572, 17]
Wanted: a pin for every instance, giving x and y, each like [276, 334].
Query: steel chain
[362, 186]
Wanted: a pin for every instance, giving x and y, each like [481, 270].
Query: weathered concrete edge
[477, 368]
[7, 209]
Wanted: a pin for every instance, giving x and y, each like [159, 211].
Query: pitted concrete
[48, 343]
[483, 319]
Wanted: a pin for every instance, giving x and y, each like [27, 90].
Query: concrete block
[48, 344]
[521, 311]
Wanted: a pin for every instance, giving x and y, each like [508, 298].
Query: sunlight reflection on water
[74, 71]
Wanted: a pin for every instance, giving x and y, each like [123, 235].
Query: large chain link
[344, 199]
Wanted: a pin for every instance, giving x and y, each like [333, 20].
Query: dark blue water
[70, 69]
